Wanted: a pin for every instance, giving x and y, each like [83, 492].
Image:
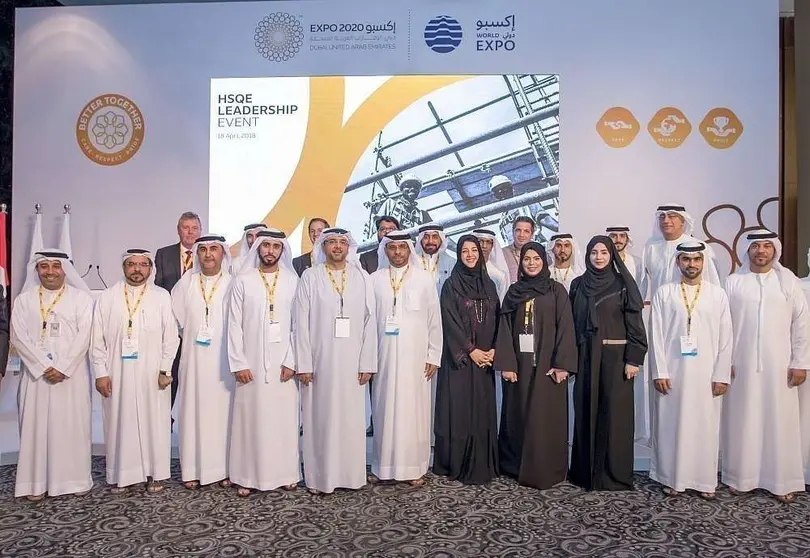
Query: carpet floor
[442, 519]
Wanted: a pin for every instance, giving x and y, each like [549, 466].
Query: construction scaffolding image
[466, 152]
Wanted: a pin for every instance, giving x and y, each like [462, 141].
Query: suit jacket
[302, 263]
[167, 266]
[369, 261]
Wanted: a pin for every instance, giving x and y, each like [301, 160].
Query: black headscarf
[528, 287]
[595, 284]
[474, 283]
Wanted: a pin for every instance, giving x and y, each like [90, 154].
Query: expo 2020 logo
[110, 129]
[443, 34]
[279, 37]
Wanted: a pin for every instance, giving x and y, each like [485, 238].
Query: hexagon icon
[721, 128]
[669, 127]
[618, 127]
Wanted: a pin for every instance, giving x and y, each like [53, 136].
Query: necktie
[187, 261]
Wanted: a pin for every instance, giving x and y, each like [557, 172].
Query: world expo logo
[279, 37]
[443, 34]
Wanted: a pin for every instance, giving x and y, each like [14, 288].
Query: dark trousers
[176, 375]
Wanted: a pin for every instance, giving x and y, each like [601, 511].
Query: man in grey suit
[171, 262]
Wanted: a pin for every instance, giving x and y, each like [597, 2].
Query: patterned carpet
[441, 520]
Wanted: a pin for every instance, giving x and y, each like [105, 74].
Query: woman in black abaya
[533, 441]
[466, 427]
[612, 343]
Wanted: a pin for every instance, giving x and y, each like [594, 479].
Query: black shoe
[370, 431]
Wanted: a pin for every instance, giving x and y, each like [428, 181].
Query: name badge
[688, 346]
[129, 348]
[14, 364]
[392, 325]
[526, 342]
[273, 332]
[342, 328]
[55, 329]
[203, 336]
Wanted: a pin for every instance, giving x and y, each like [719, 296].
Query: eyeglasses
[337, 241]
[141, 265]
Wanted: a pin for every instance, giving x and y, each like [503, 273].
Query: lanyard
[396, 287]
[427, 267]
[564, 277]
[271, 292]
[528, 315]
[342, 288]
[207, 298]
[44, 312]
[132, 311]
[689, 307]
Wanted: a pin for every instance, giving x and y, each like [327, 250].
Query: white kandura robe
[334, 416]
[402, 406]
[440, 273]
[206, 384]
[264, 435]
[633, 266]
[500, 279]
[804, 404]
[137, 416]
[55, 432]
[760, 436]
[686, 421]
[560, 276]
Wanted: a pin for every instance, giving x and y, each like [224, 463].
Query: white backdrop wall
[693, 55]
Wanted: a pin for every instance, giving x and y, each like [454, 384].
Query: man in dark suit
[171, 262]
[384, 224]
[315, 228]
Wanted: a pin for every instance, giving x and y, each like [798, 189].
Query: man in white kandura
[199, 301]
[497, 269]
[690, 363]
[620, 235]
[132, 348]
[248, 238]
[409, 338]
[804, 397]
[565, 260]
[673, 226]
[50, 328]
[760, 436]
[431, 247]
[264, 436]
[335, 354]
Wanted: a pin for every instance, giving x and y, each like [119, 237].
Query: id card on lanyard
[205, 333]
[129, 342]
[689, 346]
[342, 323]
[272, 327]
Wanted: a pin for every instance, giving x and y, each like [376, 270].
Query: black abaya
[602, 453]
[465, 426]
[533, 440]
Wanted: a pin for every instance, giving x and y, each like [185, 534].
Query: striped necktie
[187, 261]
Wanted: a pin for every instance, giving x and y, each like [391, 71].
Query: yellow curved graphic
[331, 150]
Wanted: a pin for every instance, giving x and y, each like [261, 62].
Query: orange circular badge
[669, 127]
[617, 127]
[721, 128]
[110, 129]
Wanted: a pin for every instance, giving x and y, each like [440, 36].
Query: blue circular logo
[443, 34]
[279, 36]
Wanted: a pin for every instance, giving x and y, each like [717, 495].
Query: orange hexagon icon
[618, 127]
[721, 128]
[669, 127]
